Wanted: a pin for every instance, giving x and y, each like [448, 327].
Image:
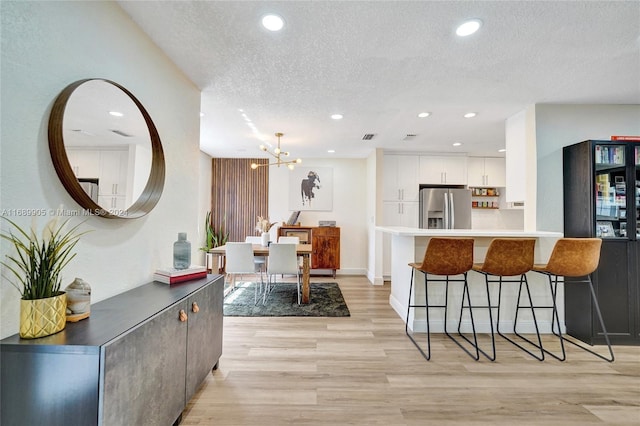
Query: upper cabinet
[113, 172]
[84, 163]
[443, 170]
[486, 171]
[110, 168]
[400, 181]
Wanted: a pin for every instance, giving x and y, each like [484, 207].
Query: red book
[626, 138]
[180, 278]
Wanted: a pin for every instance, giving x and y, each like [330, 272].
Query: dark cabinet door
[144, 372]
[613, 289]
[204, 336]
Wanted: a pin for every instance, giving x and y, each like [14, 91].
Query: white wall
[561, 125]
[46, 46]
[204, 204]
[374, 211]
[349, 208]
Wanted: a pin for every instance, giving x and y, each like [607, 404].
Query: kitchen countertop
[490, 233]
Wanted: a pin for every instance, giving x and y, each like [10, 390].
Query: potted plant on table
[36, 267]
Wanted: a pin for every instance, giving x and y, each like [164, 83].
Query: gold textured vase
[42, 317]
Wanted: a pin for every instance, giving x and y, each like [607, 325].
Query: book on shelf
[609, 154]
[172, 272]
[180, 278]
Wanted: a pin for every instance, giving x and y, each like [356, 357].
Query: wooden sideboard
[132, 362]
[325, 243]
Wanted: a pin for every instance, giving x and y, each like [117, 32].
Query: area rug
[325, 300]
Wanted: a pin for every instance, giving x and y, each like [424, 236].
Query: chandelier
[277, 153]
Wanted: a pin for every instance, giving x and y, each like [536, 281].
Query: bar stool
[443, 257]
[573, 258]
[508, 260]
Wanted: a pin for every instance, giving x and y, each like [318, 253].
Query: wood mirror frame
[152, 191]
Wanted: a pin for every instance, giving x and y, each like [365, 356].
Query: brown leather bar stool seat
[508, 260]
[444, 257]
[576, 259]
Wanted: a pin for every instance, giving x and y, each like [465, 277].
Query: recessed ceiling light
[470, 115]
[336, 116]
[424, 114]
[331, 151]
[116, 113]
[457, 144]
[502, 150]
[469, 27]
[272, 22]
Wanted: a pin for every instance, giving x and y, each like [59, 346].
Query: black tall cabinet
[602, 199]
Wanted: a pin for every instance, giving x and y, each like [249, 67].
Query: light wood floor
[363, 370]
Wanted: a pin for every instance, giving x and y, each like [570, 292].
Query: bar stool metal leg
[474, 344]
[489, 308]
[426, 355]
[553, 285]
[523, 280]
[427, 306]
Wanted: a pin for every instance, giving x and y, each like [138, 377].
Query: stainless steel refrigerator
[445, 208]
[90, 186]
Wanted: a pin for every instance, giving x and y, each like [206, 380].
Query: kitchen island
[409, 245]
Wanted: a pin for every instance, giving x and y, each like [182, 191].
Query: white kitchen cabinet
[113, 202]
[113, 172]
[443, 170]
[400, 182]
[486, 171]
[396, 213]
[85, 163]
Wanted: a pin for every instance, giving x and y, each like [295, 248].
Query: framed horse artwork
[311, 188]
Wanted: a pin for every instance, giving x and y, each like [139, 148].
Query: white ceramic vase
[265, 239]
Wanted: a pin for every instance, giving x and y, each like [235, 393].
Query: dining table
[302, 250]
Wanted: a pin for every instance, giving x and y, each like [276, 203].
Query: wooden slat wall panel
[239, 195]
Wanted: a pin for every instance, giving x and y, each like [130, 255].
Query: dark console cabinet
[132, 362]
[602, 199]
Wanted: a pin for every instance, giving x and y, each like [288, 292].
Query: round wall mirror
[106, 149]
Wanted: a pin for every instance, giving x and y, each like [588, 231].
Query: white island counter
[409, 245]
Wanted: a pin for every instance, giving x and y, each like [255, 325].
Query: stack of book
[174, 276]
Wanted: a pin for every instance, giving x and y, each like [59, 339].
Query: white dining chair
[282, 260]
[289, 240]
[259, 261]
[239, 262]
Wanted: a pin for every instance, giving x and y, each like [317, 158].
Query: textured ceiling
[381, 63]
